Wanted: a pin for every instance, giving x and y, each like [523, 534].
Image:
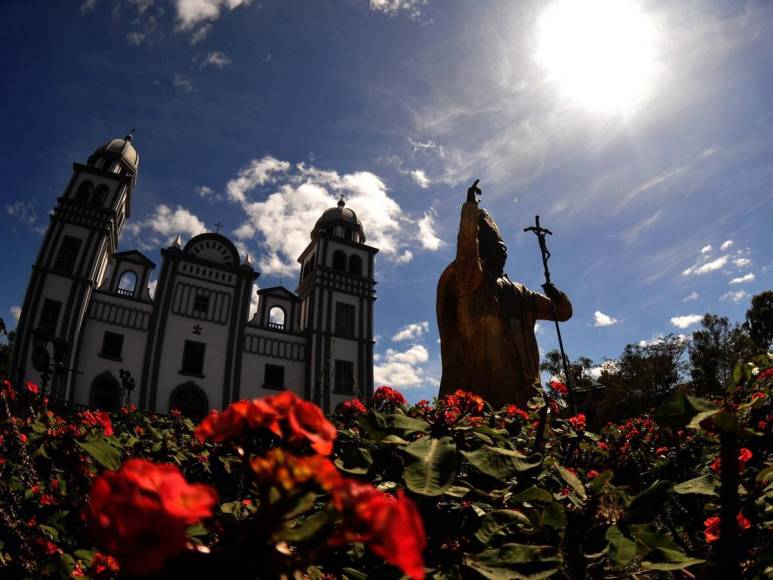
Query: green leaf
[501, 463]
[554, 515]
[499, 520]
[679, 409]
[196, 530]
[601, 480]
[664, 559]
[355, 460]
[621, 549]
[517, 561]
[403, 423]
[533, 493]
[305, 528]
[646, 506]
[650, 538]
[431, 466]
[104, 453]
[572, 480]
[705, 485]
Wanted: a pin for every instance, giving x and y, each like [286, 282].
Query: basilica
[92, 333]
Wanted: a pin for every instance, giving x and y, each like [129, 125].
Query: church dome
[341, 222]
[118, 150]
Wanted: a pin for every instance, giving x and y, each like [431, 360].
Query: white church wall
[267, 347]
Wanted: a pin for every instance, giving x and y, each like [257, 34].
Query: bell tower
[72, 261]
[337, 292]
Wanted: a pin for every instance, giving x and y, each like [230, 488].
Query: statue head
[491, 247]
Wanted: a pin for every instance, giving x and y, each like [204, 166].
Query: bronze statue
[486, 321]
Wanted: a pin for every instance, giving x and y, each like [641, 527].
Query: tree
[759, 319]
[580, 368]
[715, 350]
[6, 350]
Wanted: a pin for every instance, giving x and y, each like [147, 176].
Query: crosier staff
[541, 232]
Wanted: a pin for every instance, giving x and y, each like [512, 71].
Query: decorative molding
[119, 315]
[275, 348]
[185, 296]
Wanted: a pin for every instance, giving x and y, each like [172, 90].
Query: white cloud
[15, 312]
[691, 296]
[22, 211]
[411, 331]
[726, 245]
[411, 7]
[706, 249]
[258, 172]
[152, 288]
[216, 59]
[194, 13]
[736, 296]
[427, 236]
[707, 267]
[253, 301]
[282, 221]
[686, 320]
[166, 223]
[402, 369]
[743, 279]
[659, 338]
[741, 262]
[601, 319]
[88, 6]
[420, 178]
[183, 83]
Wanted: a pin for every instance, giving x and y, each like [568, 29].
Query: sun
[600, 52]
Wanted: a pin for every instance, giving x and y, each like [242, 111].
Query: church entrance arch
[106, 392]
[191, 400]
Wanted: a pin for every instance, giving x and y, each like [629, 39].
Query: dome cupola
[121, 150]
[340, 222]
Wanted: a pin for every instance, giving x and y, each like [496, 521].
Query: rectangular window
[193, 357]
[112, 345]
[201, 303]
[274, 377]
[344, 377]
[68, 253]
[49, 316]
[344, 320]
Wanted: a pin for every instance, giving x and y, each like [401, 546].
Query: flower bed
[447, 489]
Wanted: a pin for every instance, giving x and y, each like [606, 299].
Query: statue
[486, 321]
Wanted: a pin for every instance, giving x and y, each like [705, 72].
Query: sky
[640, 132]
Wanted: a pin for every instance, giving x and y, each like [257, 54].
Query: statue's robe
[486, 324]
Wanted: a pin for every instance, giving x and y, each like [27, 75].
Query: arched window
[276, 318]
[355, 264]
[84, 191]
[127, 283]
[105, 393]
[99, 196]
[190, 400]
[339, 261]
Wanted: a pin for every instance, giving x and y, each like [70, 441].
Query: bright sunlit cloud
[600, 52]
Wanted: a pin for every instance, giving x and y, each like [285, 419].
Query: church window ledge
[191, 374]
[274, 387]
[110, 357]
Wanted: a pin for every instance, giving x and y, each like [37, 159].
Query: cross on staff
[541, 232]
[219, 225]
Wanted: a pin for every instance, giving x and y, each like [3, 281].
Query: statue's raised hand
[474, 189]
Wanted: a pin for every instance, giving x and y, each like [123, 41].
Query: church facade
[90, 330]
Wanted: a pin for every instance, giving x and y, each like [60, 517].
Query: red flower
[744, 455]
[558, 388]
[468, 402]
[286, 471]
[743, 522]
[712, 529]
[592, 474]
[353, 407]
[513, 411]
[32, 388]
[603, 446]
[222, 426]
[758, 395]
[661, 450]
[49, 547]
[578, 422]
[140, 512]
[98, 418]
[389, 395]
[765, 374]
[391, 528]
[176, 413]
[307, 422]
[103, 565]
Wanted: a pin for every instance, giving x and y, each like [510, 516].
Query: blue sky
[255, 114]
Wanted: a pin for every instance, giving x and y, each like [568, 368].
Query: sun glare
[600, 52]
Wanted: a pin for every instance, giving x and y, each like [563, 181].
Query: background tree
[714, 351]
[6, 350]
[759, 319]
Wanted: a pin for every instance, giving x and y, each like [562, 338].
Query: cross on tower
[219, 225]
